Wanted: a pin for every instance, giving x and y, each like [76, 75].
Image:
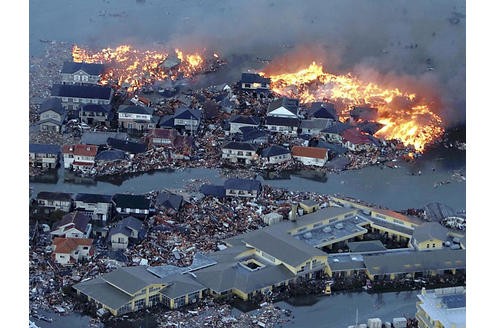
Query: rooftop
[90, 68]
[242, 184]
[311, 152]
[44, 149]
[253, 78]
[81, 91]
[445, 305]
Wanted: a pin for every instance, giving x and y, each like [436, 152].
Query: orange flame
[127, 66]
[414, 123]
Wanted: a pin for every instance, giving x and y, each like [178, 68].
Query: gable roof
[323, 110]
[94, 108]
[291, 104]
[415, 261]
[311, 152]
[80, 149]
[131, 279]
[78, 218]
[274, 150]
[240, 146]
[253, 78]
[167, 121]
[67, 245]
[134, 109]
[50, 195]
[243, 119]
[429, 231]
[282, 121]
[242, 184]
[100, 138]
[168, 200]
[90, 68]
[54, 104]
[163, 133]
[212, 190]
[355, 136]
[44, 149]
[254, 134]
[187, 114]
[93, 198]
[315, 123]
[127, 146]
[131, 201]
[125, 225]
[81, 91]
[111, 155]
[336, 128]
[103, 292]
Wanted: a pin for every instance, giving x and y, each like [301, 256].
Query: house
[168, 202]
[98, 204]
[127, 146]
[161, 137]
[49, 201]
[134, 117]
[68, 251]
[276, 154]
[286, 125]
[240, 121]
[361, 113]
[187, 119]
[79, 157]
[52, 115]
[429, 236]
[127, 204]
[310, 155]
[242, 188]
[101, 138]
[334, 131]
[96, 114]
[253, 81]
[323, 110]
[126, 230]
[73, 96]
[254, 135]
[442, 307]
[73, 225]
[111, 155]
[212, 190]
[44, 156]
[354, 140]
[283, 107]
[314, 126]
[239, 152]
[81, 73]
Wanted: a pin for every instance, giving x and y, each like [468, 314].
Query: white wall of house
[311, 161]
[61, 205]
[62, 258]
[101, 210]
[50, 114]
[278, 159]
[241, 193]
[188, 124]
[234, 155]
[45, 160]
[119, 241]
[132, 210]
[68, 160]
[133, 116]
[79, 77]
[282, 129]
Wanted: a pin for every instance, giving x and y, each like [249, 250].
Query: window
[85, 78]
[180, 301]
[77, 78]
[139, 304]
[427, 245]
[247, 85]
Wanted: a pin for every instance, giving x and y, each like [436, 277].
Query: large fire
[134, 68]
[404, 115]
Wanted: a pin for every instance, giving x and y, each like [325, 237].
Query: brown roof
[163, 133]
[355, 136]
[67, 245]
[399, 216]
[82, 150]
[313, 152]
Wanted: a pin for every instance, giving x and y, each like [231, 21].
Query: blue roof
[44, 149]
[168, 200]
[90, 68]
[251, 120]
[123, 226]
[54, 104]
[187, 113]
[81, 91]
[111, 155]
[253, 78]
[212, 190]
[93, 198]
[127, 146]
[240, 146]
[254, 135]
[281, 121]
[166, 121]
[96, 108]
[135, 109]
[274, 150]
[242, 184]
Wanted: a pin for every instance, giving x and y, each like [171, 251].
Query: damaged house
[239, 152]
